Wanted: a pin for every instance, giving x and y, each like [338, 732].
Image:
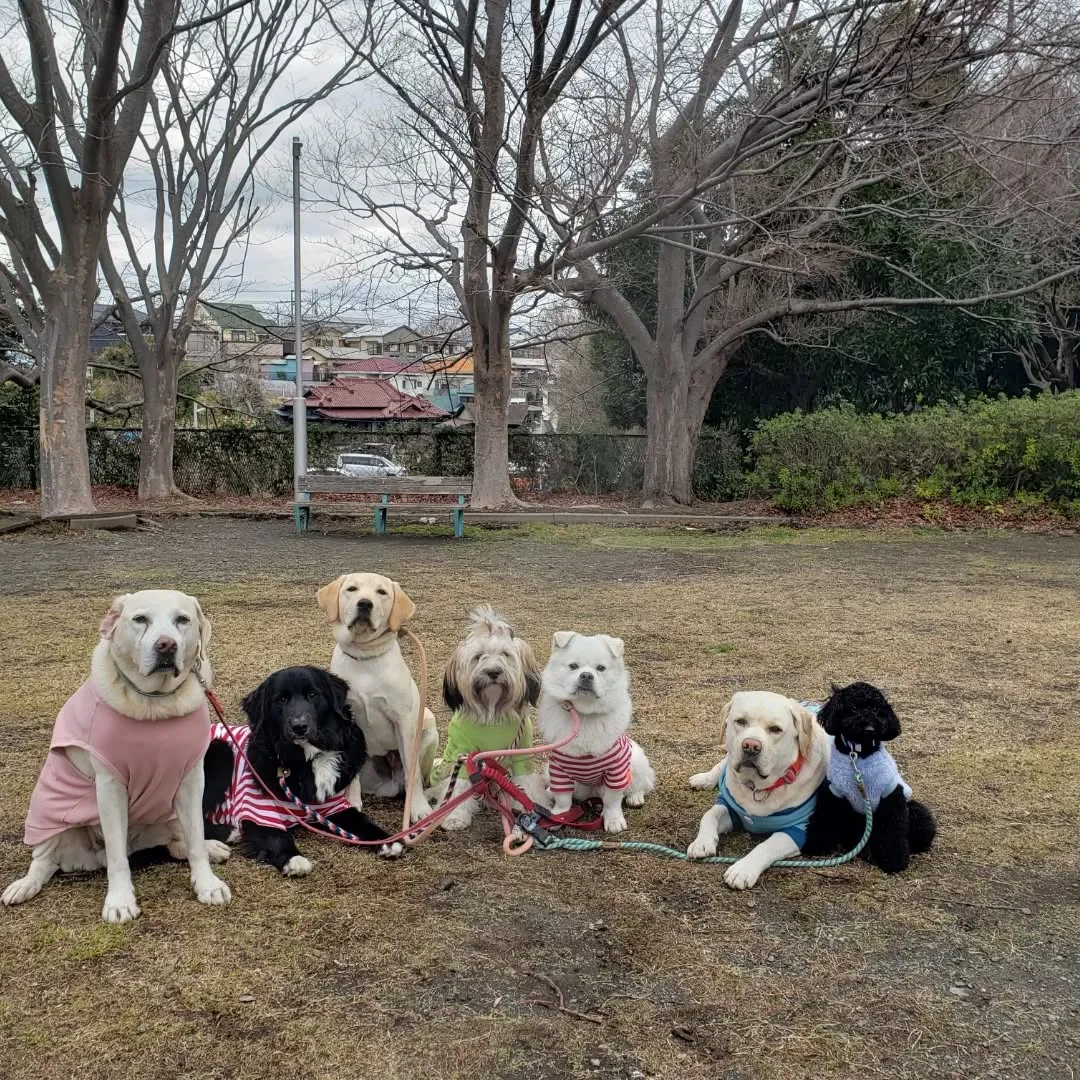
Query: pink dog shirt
[149, 757]
[610, 769]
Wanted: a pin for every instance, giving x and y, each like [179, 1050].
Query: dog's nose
[492, 673]
[751, 747]
[586, 677]
[165, 646]
[363, 605]
[299, 726]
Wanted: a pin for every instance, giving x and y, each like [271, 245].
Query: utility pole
[300, 497]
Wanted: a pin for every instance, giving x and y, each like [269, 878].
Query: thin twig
[968, 903]
[559, 1005]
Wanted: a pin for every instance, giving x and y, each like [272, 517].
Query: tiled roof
[237, 316]
[368, 399]
[374, 365]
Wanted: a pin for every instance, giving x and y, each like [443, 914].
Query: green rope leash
[546, 842]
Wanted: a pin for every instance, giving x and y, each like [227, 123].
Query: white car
[368, 465]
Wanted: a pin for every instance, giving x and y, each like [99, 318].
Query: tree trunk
[159, 367]
[159, 374]
[676, 405]
[65, 464]
[491, 384]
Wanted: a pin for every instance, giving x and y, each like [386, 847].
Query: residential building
[363, 403]
[247, 337]
[107, 330]
[284, 369]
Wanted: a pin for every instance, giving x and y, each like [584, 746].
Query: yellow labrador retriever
[367, 611]
[777, 755]
[125, 765]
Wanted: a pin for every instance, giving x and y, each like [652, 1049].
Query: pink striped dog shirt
[610, 769]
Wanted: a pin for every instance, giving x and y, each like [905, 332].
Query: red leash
[490, 781]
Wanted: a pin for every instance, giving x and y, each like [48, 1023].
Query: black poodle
[860, 719]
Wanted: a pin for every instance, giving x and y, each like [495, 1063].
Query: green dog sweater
[464, 736]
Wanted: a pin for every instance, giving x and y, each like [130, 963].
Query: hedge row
[977, 454]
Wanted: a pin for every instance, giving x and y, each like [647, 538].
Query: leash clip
[529, 823]
[859, 782]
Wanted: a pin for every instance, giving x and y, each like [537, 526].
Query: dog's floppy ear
[562, 638]
[804, 728]
[615, 644]
[254, 705]
[337, 690]
[327, 597]
[112, 616]
[532, 670]
[450, 692]
[202, 654]
[889, 721]
[725, 716]
[402, 611]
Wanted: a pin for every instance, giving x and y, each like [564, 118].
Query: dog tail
[484, 619]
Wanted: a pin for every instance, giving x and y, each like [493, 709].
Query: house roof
[107, 314]
[449, 365]
[237, 316]
[517, 413]
[370, 365]
[368, 399]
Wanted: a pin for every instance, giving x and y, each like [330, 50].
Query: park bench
[335, 484]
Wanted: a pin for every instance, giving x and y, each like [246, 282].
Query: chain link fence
[254, 462]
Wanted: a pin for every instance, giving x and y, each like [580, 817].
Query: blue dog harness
[793, 821]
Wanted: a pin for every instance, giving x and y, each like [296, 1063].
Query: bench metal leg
[380, 517]
[459, 517]
[302, 513]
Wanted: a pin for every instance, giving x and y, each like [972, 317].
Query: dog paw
[636, 800]
[703, 847]
[420, 810]
[120, 907]
[177, 850]
[297, 866]
[455, 822]
[615, 822]
[741, 876]
[217, 851]
[702, 781]
[391, 851]
[18, 892]
[213, 891]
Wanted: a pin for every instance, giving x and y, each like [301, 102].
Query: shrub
[976, 454]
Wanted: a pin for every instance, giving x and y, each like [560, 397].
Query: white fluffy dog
[491, 681]
[588, 673]
[777, 754]
[125, 766]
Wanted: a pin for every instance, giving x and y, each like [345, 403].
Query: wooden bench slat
[390, 485]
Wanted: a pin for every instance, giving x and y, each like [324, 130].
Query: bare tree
[1031, 152]
[449, 188]
[764, 132]
[225, 95]
[71, 118]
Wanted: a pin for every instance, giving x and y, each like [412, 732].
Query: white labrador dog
[588, 672]
[777, 755]
[367, 611]
[124, 770]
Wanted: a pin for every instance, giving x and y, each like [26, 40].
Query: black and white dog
[301, 723]
[860, 719]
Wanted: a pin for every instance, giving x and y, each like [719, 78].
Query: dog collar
[388, 636]
[789, 776]
[142, 693]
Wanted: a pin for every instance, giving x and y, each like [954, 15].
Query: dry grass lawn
[966, 966]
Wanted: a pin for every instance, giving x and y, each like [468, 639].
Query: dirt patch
[968, 965]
